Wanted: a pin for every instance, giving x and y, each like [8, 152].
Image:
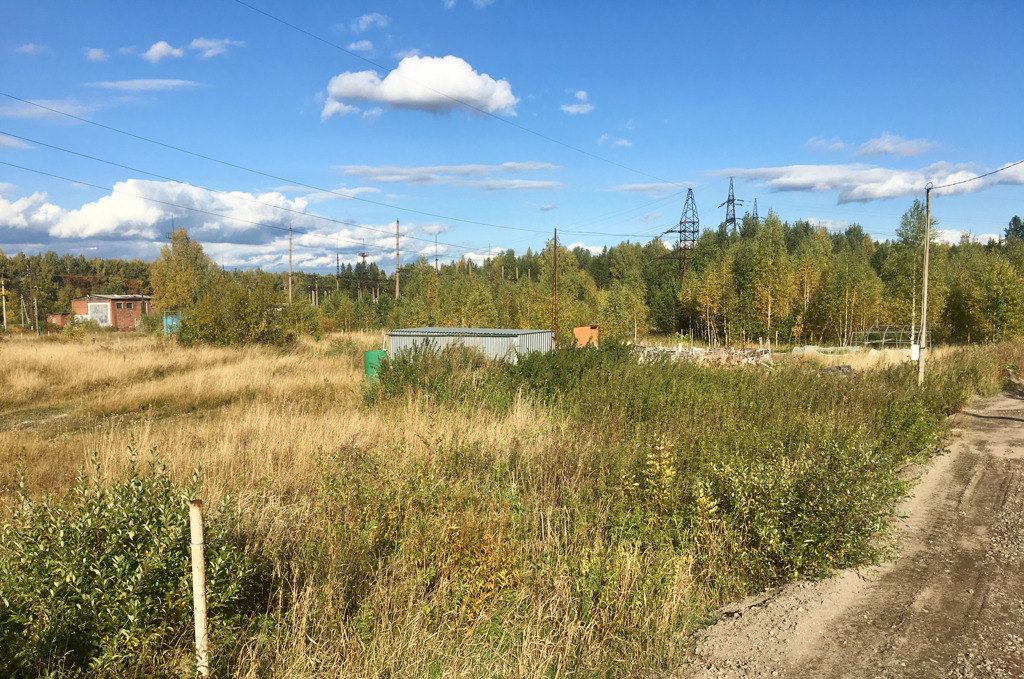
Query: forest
[786, 282]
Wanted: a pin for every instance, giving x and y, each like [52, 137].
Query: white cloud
[448, 4]
[607, 138]
[6, 189]
[161, 50]
[475, 176]
[863, 183]
[53, 109]
[830, 224]
[432, 84]
[12, 143]
[434, 228]
[954, 236]
[582, 107]
[211, 48]
[371, 20]
[96, 54]
[897, 146]
[144, 85]
[656, 189]
[544, 207]
[649, 217]
[592, 249]
[32, 48]
[407, 53]
[361, 46]
[821, 144]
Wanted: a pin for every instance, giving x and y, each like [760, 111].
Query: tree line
[770, 279]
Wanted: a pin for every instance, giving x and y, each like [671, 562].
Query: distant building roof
[115, 297]
[463, 332]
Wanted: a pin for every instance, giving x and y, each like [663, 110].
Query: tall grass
[575, 514]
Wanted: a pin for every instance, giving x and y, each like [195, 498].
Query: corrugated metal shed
[503, 343]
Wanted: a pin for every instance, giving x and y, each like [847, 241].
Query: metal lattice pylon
[687, 231]
[730, 209]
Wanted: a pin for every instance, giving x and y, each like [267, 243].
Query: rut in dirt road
[951, 604]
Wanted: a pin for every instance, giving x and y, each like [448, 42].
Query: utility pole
[924, 284]
[396, 259]
[437, 267]
[337, 273]
[289, 264]
[554, 299]
[35, 303]
[3, 295]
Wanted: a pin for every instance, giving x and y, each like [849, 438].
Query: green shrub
[98, 582]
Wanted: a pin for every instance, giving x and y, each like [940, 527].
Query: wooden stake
[195, 520]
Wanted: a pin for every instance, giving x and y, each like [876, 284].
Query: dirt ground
[950, 605]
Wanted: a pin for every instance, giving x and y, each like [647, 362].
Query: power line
[266, 174]
[344, 222]
[456, 100]
[980, 176]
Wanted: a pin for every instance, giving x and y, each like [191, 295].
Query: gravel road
[950, 605]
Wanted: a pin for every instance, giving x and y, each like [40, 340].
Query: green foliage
[98, 581]
[178, 274]
[237, 309]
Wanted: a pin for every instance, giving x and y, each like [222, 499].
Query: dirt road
[950, 605]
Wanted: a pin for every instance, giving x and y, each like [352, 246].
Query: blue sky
[487, 124]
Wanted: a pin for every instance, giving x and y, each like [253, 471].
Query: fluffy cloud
[655, 189]
[863, 183]
[821, 144]
[236, 229]
[581, 107]
[432, 84]
[6, 189]
[434, 228]
[475, 176]
[953, 236]
[361, 46]
[592, 249]
[162, 50]
[96, 54]
[144, 85]
[371, 20]
[12, 143]
[32, 48]
[898, 146]
[210, 48]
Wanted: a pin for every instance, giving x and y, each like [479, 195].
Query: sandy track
[950, 605]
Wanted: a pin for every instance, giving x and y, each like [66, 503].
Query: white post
[195, 520]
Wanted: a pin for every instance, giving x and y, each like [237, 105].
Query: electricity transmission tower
[730, 209]
[755, 211]
[687, 231]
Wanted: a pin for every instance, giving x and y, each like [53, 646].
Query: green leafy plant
[97, 582]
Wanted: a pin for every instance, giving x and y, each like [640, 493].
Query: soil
[950, 605]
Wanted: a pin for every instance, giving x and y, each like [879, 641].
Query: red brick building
[119, 311]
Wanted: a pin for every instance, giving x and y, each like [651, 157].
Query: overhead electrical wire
[449, 97]
[290, 181]
[980, 176]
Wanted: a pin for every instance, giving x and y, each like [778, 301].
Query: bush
[98, 582]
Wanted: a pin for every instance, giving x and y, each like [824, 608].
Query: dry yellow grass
[248, 417]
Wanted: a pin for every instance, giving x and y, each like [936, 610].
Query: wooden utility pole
[289, 264]
[337, 274]
[554, 286]
[195, 521]
[924, 284]
[396, 259]
[35, 304]
[3, 296]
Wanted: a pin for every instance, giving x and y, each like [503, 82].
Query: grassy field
[575, 515]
